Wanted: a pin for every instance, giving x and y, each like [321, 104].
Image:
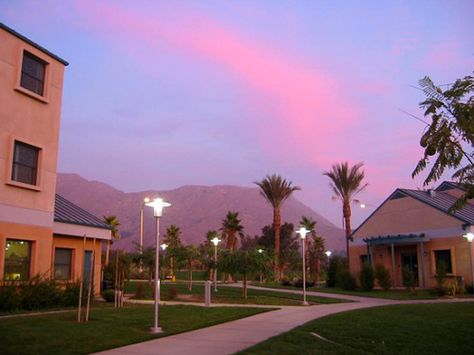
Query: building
[413, 229]
[40, 233]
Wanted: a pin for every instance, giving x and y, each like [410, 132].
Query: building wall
[405, 216]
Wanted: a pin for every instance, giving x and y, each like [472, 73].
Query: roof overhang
[76, 230]
[395, 239]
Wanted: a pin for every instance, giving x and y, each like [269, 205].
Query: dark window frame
[449, 261]
[18, 165]
[62, 264]
[33, 73]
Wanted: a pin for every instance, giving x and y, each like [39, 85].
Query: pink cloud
[298, 104]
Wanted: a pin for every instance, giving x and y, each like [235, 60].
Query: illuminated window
[33, 73]
[25, 163]
[17, 260]
[62, 264]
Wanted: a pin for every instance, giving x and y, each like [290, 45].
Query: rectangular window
[17, 260]
[444, 256]
[25, 163]
[33, 73]
[364, 259]
[62, 264]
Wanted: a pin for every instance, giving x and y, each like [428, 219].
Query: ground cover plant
[179, 291]
[401, 329]
[107, 328]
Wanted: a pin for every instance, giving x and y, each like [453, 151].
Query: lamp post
[302, 232]
[260, 251]
[215, 241]
[145, 201]
[469, 235]
[163, 247]
[158, 204]
[328, 254]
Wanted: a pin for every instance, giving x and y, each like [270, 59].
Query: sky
[160, 94]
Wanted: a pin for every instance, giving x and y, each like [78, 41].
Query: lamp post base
[305, 303]
[156, 330]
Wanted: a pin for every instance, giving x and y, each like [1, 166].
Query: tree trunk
[190, 283]
[107, 253]
[307, 261]
[171, 267]
[276, 228]
[245, 285]
[347, 222]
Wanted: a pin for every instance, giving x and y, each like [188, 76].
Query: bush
[9, 298]
[408, 278]
[70, 294]
[299, 283]
[346, 280]
[140, 291]
[39, 293]
[285, 282]
[336, 265]
[108, 295]
[172, 292]
[382, 275]
[440, 276]
[366, 277]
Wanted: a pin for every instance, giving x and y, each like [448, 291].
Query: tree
[231, 226]
[190, 254]
[206, 253]
[174, 244]
[346, 182]
[276, 190]
[113, 223]
[245, 262]
[314, 247]
[449, 138]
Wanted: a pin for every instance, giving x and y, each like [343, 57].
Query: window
[25, 163]
[33, 73]
[17, 260]
[444, 256]
[62, 264]
[364, 259]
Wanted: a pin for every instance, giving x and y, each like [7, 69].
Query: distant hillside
[195, 209]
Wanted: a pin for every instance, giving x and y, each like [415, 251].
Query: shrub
[382, 275]
[70, 294]
[299, 283]
[285, 282]
[140, 291]
[366, 277]
[336, 265]
[39, 293]
[172, 292]
[9, 298]
[346, 280]
[408, 278]
[108, 295]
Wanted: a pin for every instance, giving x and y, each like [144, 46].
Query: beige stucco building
[40, 232]
[413, 229]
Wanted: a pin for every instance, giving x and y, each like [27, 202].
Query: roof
[450, 185]
[396, 238]
[442, 201]
[67, 212]
[30, 42]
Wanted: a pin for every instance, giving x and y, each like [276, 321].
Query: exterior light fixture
[215, 241]
[469, 235]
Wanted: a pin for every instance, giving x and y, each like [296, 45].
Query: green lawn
[229, 295]
[108, 328]
[405, 329]
[390, 294]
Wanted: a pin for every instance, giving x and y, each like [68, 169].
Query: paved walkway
[231, 337]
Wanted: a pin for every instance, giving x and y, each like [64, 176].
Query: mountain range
[194, 209]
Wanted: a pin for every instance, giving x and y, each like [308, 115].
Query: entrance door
[410, 263]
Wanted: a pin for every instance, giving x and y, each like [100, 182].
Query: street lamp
[302, 232]
[328, 254]
[215, 241]
[145, 201]
[260, 251]
[469, 235]
[158, 204]
[163, 247]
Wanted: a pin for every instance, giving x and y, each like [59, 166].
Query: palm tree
[275, 190]
[113, 223]
[346, 182]
[174, 243]
[231, 226]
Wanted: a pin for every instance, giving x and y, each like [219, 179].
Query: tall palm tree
[276, 190]
[113, 223]
[346, 182]
[174, 243]
[231, 226]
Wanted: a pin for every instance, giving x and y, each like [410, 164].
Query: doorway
[410, 263]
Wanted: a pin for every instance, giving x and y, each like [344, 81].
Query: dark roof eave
[34, 44]
[82, 224]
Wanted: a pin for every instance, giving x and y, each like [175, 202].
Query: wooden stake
[81, 278]
[91, 275]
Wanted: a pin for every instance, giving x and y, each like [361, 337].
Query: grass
[108, 328]
[377, 293]
[405, 329]
[230, 295]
